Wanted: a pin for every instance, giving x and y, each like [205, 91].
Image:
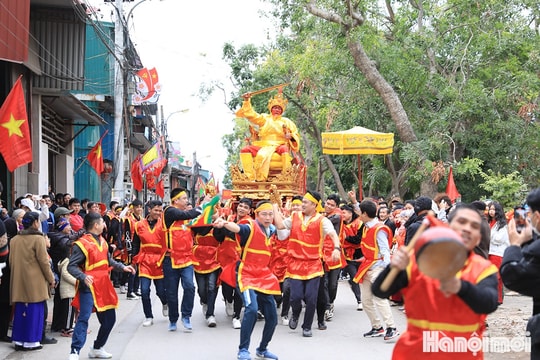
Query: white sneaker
[73, 356]
[236, 324]
[229, 308]
[285, 321]
[99, 354]
[122, 289]
[359, 307]
[211, 321]
[132, 296]
[329, 314]
[204, 309]
[165, 310]
[148, 322]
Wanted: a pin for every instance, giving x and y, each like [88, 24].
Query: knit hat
[422, 203]
[29, 218]
[62, 224]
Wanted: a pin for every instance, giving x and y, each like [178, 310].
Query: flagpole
[85, 159]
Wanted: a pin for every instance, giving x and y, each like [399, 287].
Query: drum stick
[394, 271]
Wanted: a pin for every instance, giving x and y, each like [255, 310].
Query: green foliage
[507, 189]
[463, 71]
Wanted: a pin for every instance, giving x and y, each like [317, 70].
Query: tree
[453, 79]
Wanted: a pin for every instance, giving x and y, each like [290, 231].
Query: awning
[69, 107]
[357, 140]
[140, 142]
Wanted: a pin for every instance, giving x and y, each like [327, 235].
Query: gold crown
[278, 100]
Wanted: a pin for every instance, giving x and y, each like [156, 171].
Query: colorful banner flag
[95, 156]
[201, 188]
[208, 211]
[148, 87]
[15, 146]
[451, 189]
[150, 157]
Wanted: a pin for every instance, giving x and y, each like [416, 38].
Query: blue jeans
[106, 320]
[207, 290]
[253, 301]
[145, 292]
[172, 280]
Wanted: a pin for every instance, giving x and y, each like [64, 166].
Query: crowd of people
[265, 257]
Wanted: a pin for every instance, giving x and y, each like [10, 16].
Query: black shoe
[293, 323]
[375, 332]
[307, 333]
[5, 339]
[22, 348]
[322, 326]
[48, 340]
[260, 316]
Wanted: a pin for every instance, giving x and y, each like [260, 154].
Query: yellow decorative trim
[429, 325]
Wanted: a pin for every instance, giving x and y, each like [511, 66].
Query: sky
[183, 40]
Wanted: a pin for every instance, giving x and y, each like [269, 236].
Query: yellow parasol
[357, 141]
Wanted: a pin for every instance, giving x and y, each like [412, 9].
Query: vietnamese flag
[451, 189]
[15, 146]
[95, 156]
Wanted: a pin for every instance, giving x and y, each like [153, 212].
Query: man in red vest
[147, 250]
[308, 230]
[89, 264]
[256, 281]
[177, 257]
[451, 311]
[375, 247]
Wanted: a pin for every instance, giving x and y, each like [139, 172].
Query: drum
[440, 253]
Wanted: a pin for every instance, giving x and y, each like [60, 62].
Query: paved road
[129, 340]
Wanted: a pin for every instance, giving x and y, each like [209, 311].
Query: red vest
[177, 243]
[428, 310]
[97, 265]
[279, 258]
[351, 229]
[205, 253]
[305, 247]
[151, 249]
[370, 248]
[253, 272]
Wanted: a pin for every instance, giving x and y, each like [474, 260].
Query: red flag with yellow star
[95, 156]
[15, 146]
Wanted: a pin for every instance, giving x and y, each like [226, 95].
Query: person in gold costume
[276, 134]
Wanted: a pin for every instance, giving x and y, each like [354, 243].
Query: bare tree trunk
[341, 190]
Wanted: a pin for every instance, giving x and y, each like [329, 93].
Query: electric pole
[118, 186]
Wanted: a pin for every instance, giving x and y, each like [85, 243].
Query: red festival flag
[136, 173]
[451, 189]
[160, 189]
[95, 156]
[15, 146]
